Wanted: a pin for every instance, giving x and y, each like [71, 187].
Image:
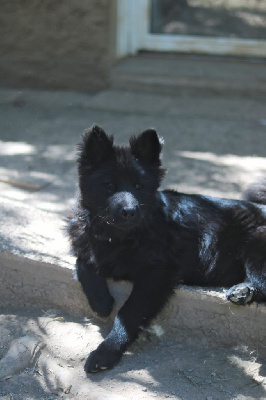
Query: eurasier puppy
[123, 227]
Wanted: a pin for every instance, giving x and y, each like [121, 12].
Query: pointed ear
[147, 146]
[95, 147]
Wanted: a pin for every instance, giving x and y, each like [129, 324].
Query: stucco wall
[63, 44]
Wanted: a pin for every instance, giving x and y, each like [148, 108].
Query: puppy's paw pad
[102, 308]
[101, 359]
[240, 294]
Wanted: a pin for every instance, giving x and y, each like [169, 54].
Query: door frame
[132, 35]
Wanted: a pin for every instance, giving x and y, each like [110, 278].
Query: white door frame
[133, 35]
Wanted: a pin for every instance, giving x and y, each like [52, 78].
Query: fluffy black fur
[124, 228]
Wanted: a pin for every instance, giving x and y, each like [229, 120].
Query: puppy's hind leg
[254, 288]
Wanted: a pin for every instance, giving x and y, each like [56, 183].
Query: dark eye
[110, 186]
[138, 186]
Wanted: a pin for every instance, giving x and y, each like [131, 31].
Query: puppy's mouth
[114, 229]
[124, 225]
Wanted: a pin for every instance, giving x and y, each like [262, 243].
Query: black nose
[129, 213]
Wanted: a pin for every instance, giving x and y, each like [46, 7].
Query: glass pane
[220, 18]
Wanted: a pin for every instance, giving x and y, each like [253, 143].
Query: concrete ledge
[170, 74]
[193, 314]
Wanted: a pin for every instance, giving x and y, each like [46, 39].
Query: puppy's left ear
[147, 146]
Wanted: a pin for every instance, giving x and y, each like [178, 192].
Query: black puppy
[124, 228]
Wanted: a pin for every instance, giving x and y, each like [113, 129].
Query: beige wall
[55, 44]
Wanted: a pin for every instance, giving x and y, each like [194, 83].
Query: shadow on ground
[154, 367]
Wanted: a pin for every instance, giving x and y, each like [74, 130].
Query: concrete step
[173, 74]
[200, 315]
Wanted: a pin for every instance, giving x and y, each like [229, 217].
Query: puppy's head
[118, 184]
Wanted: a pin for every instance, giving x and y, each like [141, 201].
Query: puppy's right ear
[95, 147]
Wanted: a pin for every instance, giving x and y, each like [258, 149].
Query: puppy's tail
[256, 192]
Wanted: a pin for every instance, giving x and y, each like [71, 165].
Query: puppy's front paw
[102, 306]
[240, 294]
[104, 357]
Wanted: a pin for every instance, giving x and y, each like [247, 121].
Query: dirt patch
[154, 367]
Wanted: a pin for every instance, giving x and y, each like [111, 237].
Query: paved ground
[214, 144]
[154, 368]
